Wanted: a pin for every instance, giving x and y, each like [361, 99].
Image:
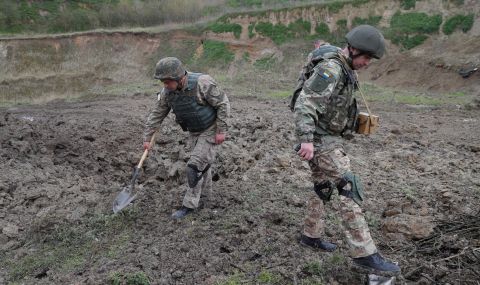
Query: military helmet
[367, 39]
[169, 68]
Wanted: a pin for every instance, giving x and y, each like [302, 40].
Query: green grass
[412, 29]
[408, 4]
[219, 27]
[280, 33]
[313, 268]
[391, 96]
[267, 277]
[215, 53]
[64, 248]
[416, 22]
[461, 22]
[280, 94]
[371, 20]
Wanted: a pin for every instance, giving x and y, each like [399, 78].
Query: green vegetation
[280, 94]
[215, 53]
[415, 23]
[408, 4]
[322, 29]
[219, 27]
[68, 247]
[266, 277]
[266, 63]
[335, 7]
[280, 33]
[411, 29]
[462, 22]
[313, 268]
[372, 20]
[376, 93]
[58, 16]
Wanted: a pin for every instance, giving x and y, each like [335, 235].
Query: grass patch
[215, 53]
[391, 96]
[461, 22]
[408, 4]
[65, 248]
[371, 20]
[411, 29]
[280, 94]
[267, 277]
[280, 33]
[220, 27]
[313, 268]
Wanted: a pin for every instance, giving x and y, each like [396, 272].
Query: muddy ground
[61, 165]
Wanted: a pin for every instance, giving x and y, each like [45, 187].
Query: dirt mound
[63, 163]
[434, 66]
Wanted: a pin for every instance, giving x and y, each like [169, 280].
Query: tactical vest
[341, 110]
[190, 113]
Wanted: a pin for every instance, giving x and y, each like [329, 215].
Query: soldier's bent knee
[324, 190]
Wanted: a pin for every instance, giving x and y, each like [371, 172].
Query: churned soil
[62, 164]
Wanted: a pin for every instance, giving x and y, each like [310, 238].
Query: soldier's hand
[306, 151]
[146, 145]
[219, 138]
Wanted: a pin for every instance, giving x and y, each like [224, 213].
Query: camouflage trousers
[202, 154]
[330, 165]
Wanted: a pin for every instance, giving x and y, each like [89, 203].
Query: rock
[411, 226]
[10, 231]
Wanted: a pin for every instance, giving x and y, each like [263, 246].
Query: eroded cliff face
[43, 67]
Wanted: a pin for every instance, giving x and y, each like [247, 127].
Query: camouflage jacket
[325, 105]
[207, 93]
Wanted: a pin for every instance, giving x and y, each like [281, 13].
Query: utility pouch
[367, 124]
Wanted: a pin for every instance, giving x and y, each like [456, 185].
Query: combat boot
[317, 243]
[182, 212]
[376, 264]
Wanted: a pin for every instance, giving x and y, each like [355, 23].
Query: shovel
[127, 195]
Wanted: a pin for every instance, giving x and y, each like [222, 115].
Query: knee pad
[194, 175]
[356, 192]
[324, 190]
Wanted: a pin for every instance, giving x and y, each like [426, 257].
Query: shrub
[278, 33]
[462, 22]
[415, 23]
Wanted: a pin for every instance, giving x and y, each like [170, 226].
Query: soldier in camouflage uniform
[202, 109]
[325, 114]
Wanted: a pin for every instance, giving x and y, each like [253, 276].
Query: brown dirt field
[62, 164]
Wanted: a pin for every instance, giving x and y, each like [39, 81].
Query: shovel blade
[123, 199]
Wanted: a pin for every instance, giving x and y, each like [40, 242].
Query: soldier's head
[364, 43]
[171, 72]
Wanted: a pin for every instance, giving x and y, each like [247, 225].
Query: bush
[278, 33]
[322, 29]
[415, 23]
[462, 22]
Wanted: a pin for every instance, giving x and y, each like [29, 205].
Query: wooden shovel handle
[145, 153]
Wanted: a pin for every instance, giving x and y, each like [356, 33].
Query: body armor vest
[341, 110]
[190, 113]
